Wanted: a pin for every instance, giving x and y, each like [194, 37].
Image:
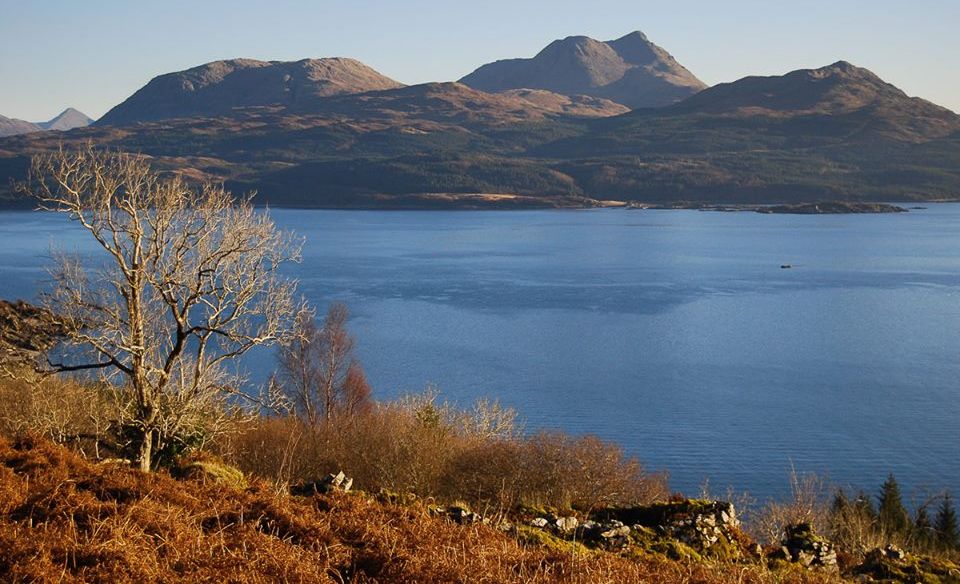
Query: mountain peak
[634, 36]
[630, 70]
[839, 89]
[68, 119]
[218, 87]
[842, 65]
[843, 69]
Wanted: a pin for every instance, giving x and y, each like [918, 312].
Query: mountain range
[582, 123]
[68, 119]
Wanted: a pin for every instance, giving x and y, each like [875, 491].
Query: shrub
[421, 445]
[63, 410]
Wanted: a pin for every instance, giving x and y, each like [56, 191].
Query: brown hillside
[219, 87]
[14, 127]
[65, 519]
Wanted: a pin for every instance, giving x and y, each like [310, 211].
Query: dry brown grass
[454, 455]
[65, 519]
[64, 410]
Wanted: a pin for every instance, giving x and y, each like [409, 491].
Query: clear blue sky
[92, 54]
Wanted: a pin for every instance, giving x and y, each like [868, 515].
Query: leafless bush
[318, 372]
[807, 504]
[422, 445]
[66, 411]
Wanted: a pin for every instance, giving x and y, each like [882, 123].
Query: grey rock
[566, 524]
[540, 522]
[615, 531]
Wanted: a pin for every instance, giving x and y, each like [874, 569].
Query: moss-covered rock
[893, 565]
[667, 512]
[710, 528]
[689, 530]
[540, 537]
[676, 550]
[212, 471]
[527, 512]
[803, 546]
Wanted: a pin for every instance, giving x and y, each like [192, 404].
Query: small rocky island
[831, 208]
[820, 208]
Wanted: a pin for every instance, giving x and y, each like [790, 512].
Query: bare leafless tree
[318, 370]
[187, 280]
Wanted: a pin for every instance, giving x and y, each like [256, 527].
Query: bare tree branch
[187, 280]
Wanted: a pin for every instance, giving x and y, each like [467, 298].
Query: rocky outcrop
[26, 331]
[803, 546]
[684, 529]
[458, 514]
[328, 484]
[892, 564]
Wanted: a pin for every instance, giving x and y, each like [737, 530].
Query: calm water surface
[675, 333]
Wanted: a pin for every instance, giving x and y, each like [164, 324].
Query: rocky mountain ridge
[630, 70]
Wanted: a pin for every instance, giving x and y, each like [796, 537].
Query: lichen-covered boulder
[891, 564]
[706, 527]
[803, 546]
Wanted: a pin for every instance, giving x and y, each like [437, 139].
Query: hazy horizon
[62, 54]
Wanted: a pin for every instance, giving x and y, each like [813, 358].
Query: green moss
[216, 472]
[912, 569]
[528, 510]
[723, 550]
[394, 498]
[641, 535]
[676, 550]
[543, 538]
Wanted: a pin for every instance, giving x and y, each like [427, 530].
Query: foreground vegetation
[167, 469]
[439, 494]
[66, 519]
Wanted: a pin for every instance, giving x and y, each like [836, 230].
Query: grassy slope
[65, 519]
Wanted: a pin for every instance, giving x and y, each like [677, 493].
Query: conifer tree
[864, 506]
[922, 528]
[948, 534]
[892, 514]
[840, 503]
